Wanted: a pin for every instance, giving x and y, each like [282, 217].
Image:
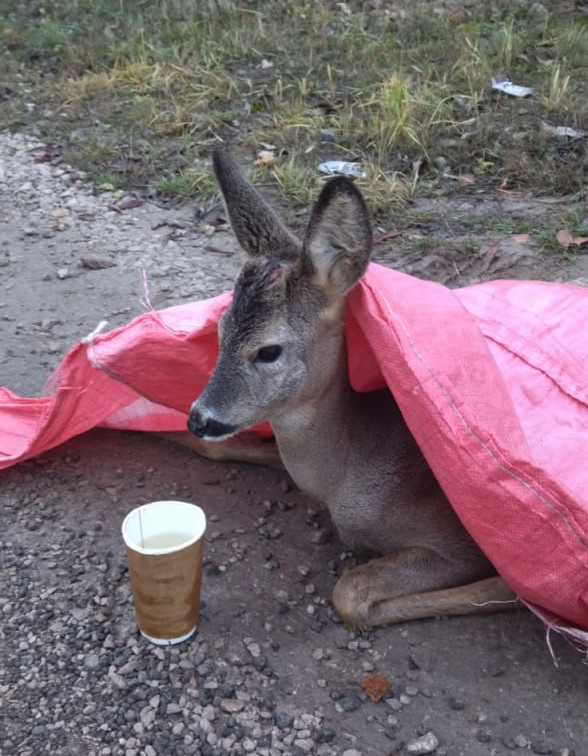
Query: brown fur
[351, 451]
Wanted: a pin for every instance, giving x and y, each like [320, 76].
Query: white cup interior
[160, 519]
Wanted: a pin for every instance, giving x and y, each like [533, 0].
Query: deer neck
[313, 435]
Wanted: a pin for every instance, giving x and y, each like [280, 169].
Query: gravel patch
[271, 670]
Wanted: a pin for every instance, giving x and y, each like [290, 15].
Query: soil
[271, 670]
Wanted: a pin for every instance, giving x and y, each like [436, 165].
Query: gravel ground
[271, 670]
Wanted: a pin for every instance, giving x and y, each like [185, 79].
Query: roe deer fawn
[283, 359]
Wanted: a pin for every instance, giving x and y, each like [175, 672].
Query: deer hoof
[350, 602]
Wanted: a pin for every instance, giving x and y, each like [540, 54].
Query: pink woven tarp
[492, 381]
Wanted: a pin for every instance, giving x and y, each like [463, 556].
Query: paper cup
[164, 542]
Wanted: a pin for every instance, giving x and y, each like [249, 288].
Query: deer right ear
[258, 229]
[338, 242]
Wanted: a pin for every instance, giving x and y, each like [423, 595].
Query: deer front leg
[244, 447]
[411, 585]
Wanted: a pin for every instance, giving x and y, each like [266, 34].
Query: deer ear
[338, 241]
[258, 229]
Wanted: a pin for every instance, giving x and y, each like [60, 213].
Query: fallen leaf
[492, 250]
[462, 178]
[376, 686]
[565, 238]
[503, 188]
[522, 238]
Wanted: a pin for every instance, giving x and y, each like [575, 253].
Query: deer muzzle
[207, 427]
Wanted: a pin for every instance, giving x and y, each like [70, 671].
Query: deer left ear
[338, 241]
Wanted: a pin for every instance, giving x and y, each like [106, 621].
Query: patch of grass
[575, 220]
[297, 184]
[188, 183]
[154, 85]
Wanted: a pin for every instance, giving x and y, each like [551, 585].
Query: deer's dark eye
[268, 353]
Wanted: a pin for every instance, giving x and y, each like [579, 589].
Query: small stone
[227, 690]
[521, 741]
[426, 744]
[92, 661]
[413, 663]
[62, 273]
[282, 597]
[456, 703]
[232, 705]
[483, 736]
[540, 747]
[323, 734]
[254, 650]
[284, 720]
[306, 721]
[349, 703]
[320, 536]
[147, 716]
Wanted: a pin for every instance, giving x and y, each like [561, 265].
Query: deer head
[281, 336]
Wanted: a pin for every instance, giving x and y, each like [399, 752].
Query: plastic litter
[343, 168]
[563, 132]
[515, 90]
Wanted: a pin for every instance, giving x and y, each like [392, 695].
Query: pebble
[541, 748]
[284, 720]
[232, 705]
[324, 734]
[426, 744]
[92, 661]
[483, 736]
[521, 741]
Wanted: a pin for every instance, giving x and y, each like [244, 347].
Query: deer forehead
[270, 303]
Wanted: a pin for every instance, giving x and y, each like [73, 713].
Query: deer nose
[207, 427]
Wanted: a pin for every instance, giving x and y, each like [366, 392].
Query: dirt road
[271, 670]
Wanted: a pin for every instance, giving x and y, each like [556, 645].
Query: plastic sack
[491, 379]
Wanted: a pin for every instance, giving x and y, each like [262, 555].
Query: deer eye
[268, 353]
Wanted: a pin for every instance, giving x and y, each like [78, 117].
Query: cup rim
[166, 550]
